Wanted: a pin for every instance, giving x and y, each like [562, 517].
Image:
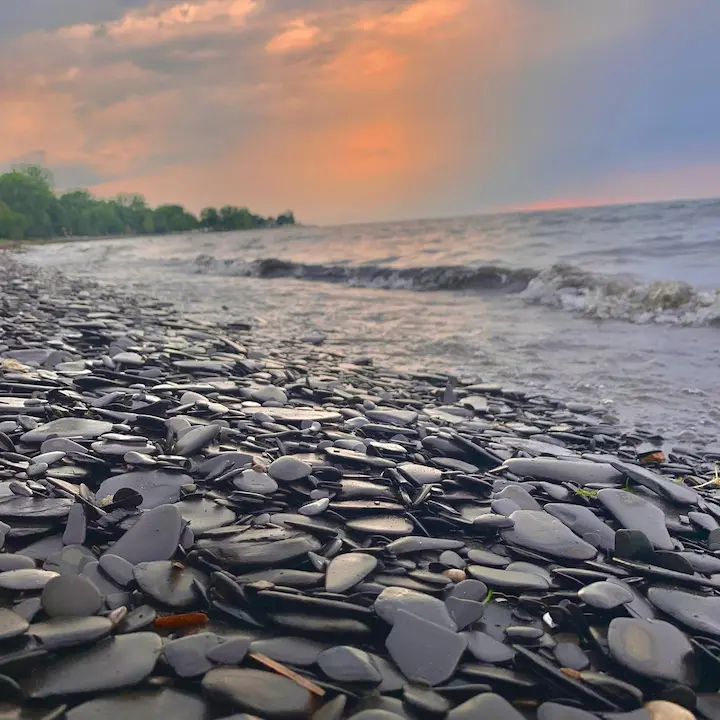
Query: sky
[364, 110]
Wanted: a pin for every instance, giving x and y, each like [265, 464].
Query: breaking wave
[562, 286]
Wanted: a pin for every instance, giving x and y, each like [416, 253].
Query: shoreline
[504, 549]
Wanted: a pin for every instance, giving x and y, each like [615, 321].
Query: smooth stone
[451, 559]
[423, 650]
[636, 513]
[420, 474]
[394, 599]
[230, 652]
[314, 508]
[639, 607]
[389, 525]
[203, 514]
[143, 705]
[297, 415]
[633, 545]
[487, 558]
[195, 439]
[582, 520]
[490, 522]
[348, 664]
[697, 612]
[256, 482]
[119, 570]
[264, 553]
[68, 427]
[487, 649]
[11, 624]
[292, 650]
[470, 590]
[71, 596]
[138, 619]
[652, 648]
[155, 536]
[578, 472]
[284, 577]
[464, 612]
[288, 469]
[541, 532]
[347, 570]
[10, 561]
[68, 632]
[676, 492]
[485, 705]
[26, 579]
[508, 579]
[157, 487]
[520, 496]
[662, 710]
[76, 526]
[419, 543]
[425, 700]
[571, 655]
[270, 393]
[167, 584]
[605, 595]
[91, 571]
[187, 656]
[556, 711]
[332, 710]
[110, 664]
[391, 416]
[255, 691]
[35, 508]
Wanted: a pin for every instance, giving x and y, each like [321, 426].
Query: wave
[563, 286]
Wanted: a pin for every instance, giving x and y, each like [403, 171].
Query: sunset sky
[353, 110]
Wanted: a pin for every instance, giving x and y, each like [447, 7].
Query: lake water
[614, 306]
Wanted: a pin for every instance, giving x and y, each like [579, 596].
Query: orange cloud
[297, 36]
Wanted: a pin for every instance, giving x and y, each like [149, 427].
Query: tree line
[31, 209]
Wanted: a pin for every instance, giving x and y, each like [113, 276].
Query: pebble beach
[196, 524]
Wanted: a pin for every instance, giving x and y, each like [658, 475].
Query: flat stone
[571, 655]
[541, 532]
[68, 427]
[676, 492]
[288, 469]
[423, 650]
[11, 624]
[578, 472]
[520, 496]
[298, 415]
[76, 526]
[508, 579]
[470, 590]
[264, 553]
[35, 508]
[314, 508]
[67, 632]
[487, 649]
[582, 520]
[110, 664]
[652, 648]
[188, 655]
[143, 704]
[230, 652]
[195, 439]
[394, 599]
[119, 570]
[391, 416]
[155, 536]
[604, 595]
[485, 705]
[663, 710]
[203, 514]
[487, 558]
[157, 487]
[464, 612]
[556, 711]
[348, 664]
[636, 513]
[420, 474]
[697, 612]
[256, 482]
[265, 694]
[388, 525]
[347, 570]
[167, 584]
[71, 596]
[26, 579]
[10, 561]
[291, 650]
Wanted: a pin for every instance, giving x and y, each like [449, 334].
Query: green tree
[209, 218]
[27, 192]
[173, 218]
[12, 225]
